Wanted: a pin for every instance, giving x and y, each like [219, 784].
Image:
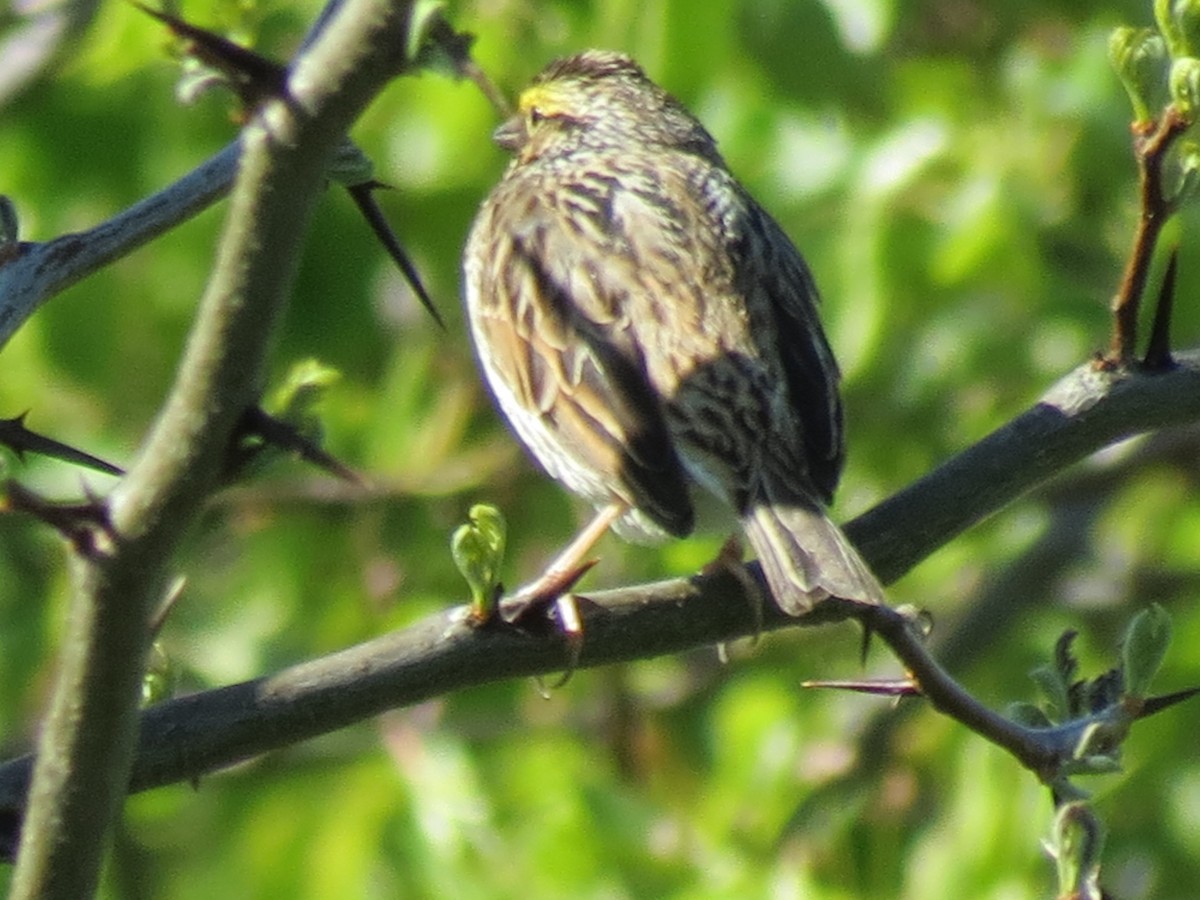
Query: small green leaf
[1139, 57]
[1086, 742]
[195, 80]
[305, 383]
[1050, 682]
[1028, 714]
[1143, 649]
[1188, 154]
[1098, 749]
[1064, 657]
[1097, 694]
[1095, 764]
[1186, 14]
[490, 522]
[1184, 84]
[478, 551]
[1168, 25]
[159, 681]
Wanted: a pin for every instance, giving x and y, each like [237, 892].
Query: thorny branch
[185, 738]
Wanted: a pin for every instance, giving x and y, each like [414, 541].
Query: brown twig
[85, 525]
[1151, 142]
[1039, 750]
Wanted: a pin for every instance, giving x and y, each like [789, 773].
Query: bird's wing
[809, 366]
[565, 352]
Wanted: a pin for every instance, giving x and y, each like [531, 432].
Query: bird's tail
[806, 558]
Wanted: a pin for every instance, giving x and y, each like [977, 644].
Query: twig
[1151, 142]
[1032, 580]
[44, 269]
[1038, 749]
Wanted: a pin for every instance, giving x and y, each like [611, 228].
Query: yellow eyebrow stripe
[539, 98]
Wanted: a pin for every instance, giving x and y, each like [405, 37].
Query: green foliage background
[957, 173]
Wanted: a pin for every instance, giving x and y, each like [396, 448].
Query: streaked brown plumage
[644, 325]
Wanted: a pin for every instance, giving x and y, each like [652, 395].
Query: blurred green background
[958, 174]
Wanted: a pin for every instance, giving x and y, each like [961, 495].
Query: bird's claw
[538, 595]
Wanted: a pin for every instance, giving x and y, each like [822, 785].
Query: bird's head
[598, 100]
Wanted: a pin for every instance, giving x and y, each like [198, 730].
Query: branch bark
[42, 270]
[87, 744]
[1085, 411]
[185, 738]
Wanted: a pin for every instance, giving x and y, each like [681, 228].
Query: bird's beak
[512, 134]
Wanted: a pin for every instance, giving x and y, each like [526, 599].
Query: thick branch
[185, 738]
[87, 744]
[1084, 412]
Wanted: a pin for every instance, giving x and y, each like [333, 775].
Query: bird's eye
[536, 116]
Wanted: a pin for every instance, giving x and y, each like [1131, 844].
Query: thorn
[903, 687]
[14, 435]
[865, 648]
[567, 609]
[1152, 705]
[252, 76]
[364, 199]
[286, 436]
[1158, 351]
[174, 592]
[86, 526]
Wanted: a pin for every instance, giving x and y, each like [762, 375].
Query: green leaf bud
[1185, 84]
[478, 551]
[1139, 56]
[1144, 647]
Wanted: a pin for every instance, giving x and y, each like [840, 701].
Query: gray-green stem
[86, 746]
